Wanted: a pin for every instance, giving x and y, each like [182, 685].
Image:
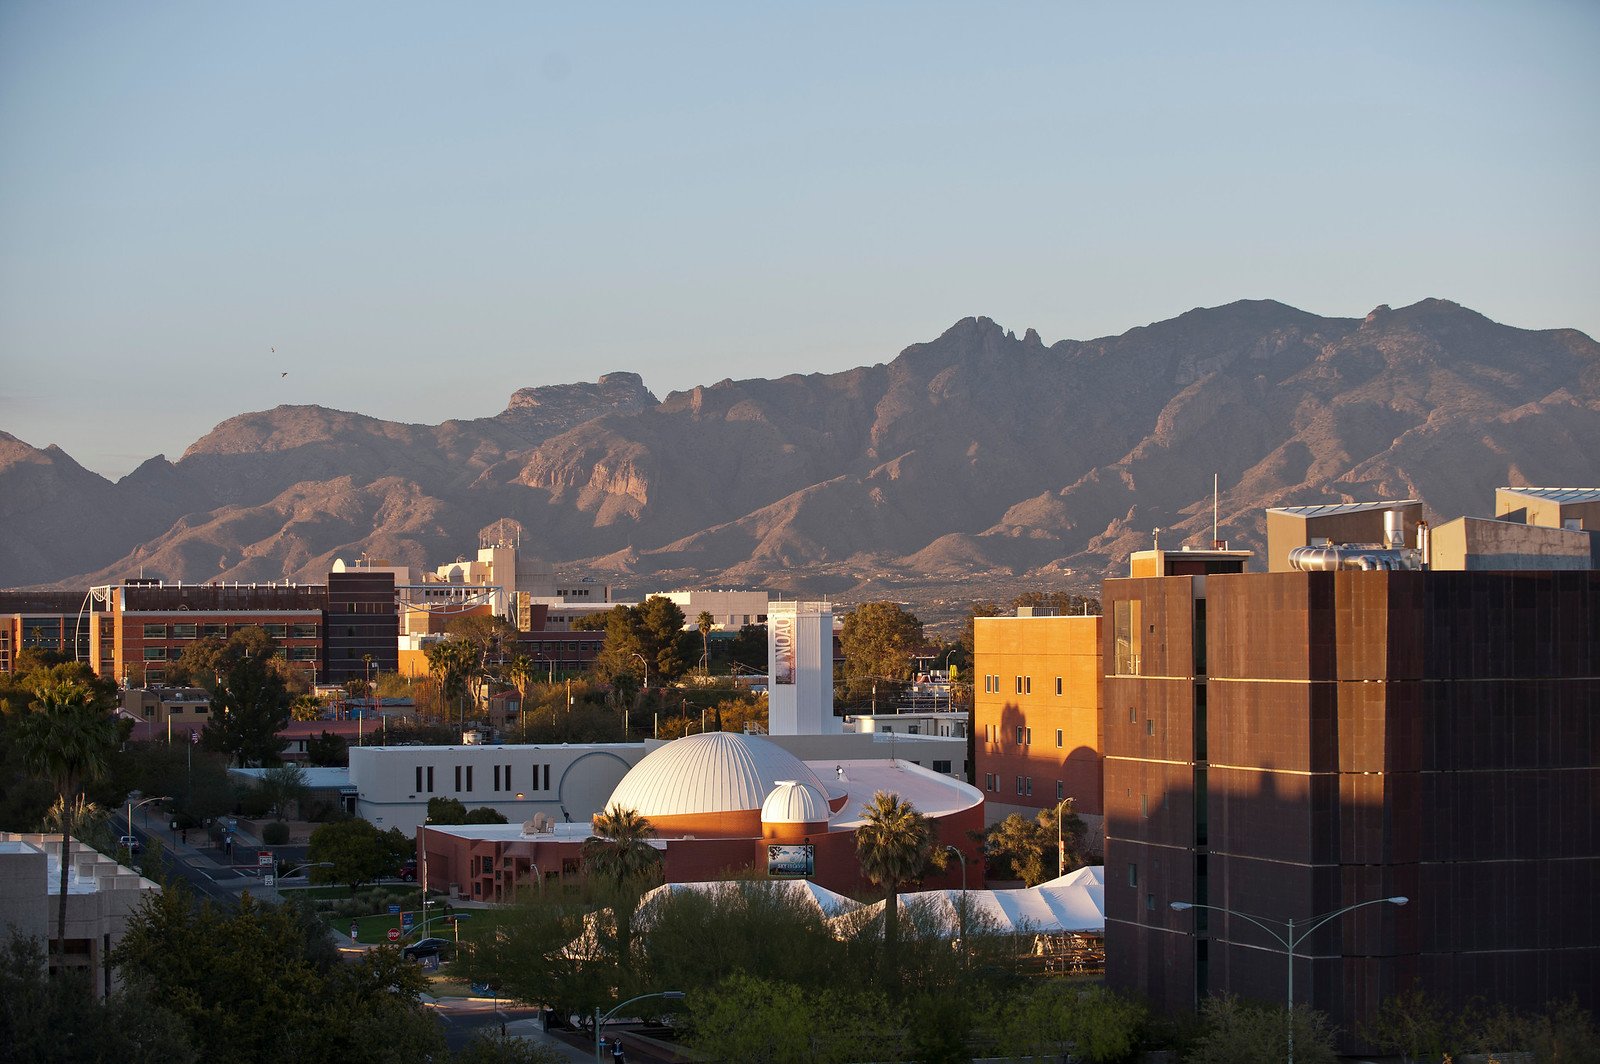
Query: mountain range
[971, 466]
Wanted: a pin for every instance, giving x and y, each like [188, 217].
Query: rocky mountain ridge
[972, 462]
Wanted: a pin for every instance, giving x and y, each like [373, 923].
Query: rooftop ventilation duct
[1364, 557]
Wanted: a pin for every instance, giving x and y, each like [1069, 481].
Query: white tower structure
[800, 660]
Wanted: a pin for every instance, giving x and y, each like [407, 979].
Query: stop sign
[394, 934]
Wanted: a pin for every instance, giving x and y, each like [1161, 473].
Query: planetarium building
[722, 805]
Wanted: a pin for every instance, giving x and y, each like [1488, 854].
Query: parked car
[427, 947]
[131, 843]
[408, 870]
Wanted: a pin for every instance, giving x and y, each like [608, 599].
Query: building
[1036, 714]
[730, 610]
[1381, 523]
[1286, 744]
[101, 896]
[724, 805]
[800, 659]
[40, 620]
[565, 782]
[160, 713]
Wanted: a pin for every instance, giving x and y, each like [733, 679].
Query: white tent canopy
[827, 902]
[1074, 902]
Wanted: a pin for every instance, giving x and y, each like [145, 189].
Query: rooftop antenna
[1215, 543]
[1155, 538]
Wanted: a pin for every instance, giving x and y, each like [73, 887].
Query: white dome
[792, 802]
[714, 772]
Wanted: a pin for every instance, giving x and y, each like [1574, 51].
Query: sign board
[394, 908]
[194, 736]
[394, 934]
[783, 659]
[407, 920]
[264, 858]
[791, 861]
[268, 880]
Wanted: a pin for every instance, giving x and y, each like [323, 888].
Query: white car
[131, 843]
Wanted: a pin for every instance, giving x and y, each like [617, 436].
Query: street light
[1291, 940]
[1061, 850]
[143, 801]
[963, 921]
[277, 891]
[599, 1020]
[646, 665]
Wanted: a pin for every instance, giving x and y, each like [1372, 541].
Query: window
[1019, 685]
[1150, 902]
[469, 778]
[1144, 806]
[302, 631]
[186, 631]
[1027, 685]
[1133, 875]
[302, 653]
[1059, 739]
[1028, 741]
[419, 779]
[1029, 782]
[214, 631]
[155, 631]
[942, 766]
[1149, 726]
[458, 779]
[1061, 791]
[1019, 784]
[497, 777]
[277, 631]
[155, 653]
[988, 781]
[1019, 735]
[1133, 715]
[547, 777]
[1125, 636]
[1058, 685]
[430, 779]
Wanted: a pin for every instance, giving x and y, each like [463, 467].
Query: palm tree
[895, 845]
[68, 738]
[618, 850]
[705, 622]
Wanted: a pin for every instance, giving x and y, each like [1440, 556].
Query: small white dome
[792, 802]
[714, 772]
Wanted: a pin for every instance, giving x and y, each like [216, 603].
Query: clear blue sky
[424, 208]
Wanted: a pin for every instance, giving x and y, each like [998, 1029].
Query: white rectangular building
[800, 669]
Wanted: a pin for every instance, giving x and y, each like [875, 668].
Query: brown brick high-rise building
[1287, 744]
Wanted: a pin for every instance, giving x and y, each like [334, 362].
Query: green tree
[68, 739]
[705, 623]
[751, 1019]
[284, 786]
[484, 815]
[328, 750]
[1237, 1032]
[357, 852]
[895, 845]
[653, 630]
[452, 663]
[1092, 1023]
[617, 850]
[1022, 843]
[878, 640]
[248, 710]
[446, 811]
[56, 1018]
[749, 648]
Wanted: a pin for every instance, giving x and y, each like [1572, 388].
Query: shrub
[275, 833]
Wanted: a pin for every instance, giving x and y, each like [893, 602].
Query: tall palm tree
[68, 738]
[705, 622]
[618, 850]
[895, 845]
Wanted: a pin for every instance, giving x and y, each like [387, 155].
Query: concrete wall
[1478, 544]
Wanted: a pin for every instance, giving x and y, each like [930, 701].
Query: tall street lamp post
[143, 801]
[963, 915]
[1291, 940]
[599, 1020]
[1061, 850]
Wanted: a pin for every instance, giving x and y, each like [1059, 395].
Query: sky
[423, 207]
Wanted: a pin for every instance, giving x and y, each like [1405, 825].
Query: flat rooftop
[1328, 509]
[1558, 494]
